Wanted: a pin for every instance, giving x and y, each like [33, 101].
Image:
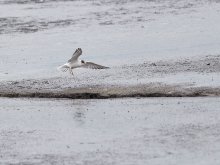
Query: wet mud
[119, 92]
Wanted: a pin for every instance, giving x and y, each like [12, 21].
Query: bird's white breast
[74, 64]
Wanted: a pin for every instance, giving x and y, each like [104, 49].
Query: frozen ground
[114, 131]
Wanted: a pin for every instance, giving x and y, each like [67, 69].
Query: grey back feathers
[92, 65]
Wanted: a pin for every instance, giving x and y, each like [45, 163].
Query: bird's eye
[83, 61]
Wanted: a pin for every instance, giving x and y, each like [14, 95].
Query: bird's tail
[63, 68]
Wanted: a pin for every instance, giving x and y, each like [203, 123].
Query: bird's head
[83, 62]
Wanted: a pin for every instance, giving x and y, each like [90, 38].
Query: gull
[74, 62]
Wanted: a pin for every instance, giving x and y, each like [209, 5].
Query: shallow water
[38, 36]
[114, 131]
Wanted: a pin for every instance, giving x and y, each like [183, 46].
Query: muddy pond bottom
[113, 131]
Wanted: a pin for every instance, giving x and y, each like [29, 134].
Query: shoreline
[180, 78]
[149, 90]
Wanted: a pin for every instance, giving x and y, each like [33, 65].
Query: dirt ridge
[148, 90]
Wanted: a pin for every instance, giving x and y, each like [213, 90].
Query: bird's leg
[71, 72]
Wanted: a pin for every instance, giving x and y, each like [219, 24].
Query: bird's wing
[63, 68]
[76, 55]
[92, 65]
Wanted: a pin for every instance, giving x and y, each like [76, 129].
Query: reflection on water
[79, 116]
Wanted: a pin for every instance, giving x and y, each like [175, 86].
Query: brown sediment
[147, 90]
